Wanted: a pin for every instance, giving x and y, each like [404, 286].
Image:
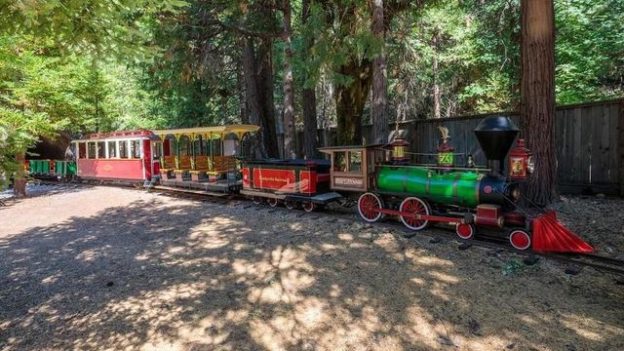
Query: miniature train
[379, 177]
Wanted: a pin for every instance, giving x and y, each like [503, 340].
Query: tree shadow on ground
[178, 274]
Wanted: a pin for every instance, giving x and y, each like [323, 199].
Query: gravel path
[109, 268]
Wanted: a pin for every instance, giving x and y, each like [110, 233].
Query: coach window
[91, 149]
[135, 148]
[82, 150]
[123, 149]
[112, 149]
[340, 161]
[101, 149]
[355, 161]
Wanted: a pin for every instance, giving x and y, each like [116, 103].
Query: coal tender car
[471, 199]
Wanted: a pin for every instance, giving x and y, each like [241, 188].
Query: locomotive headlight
[531, 165]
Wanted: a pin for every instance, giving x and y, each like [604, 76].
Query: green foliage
[342, 33]
[589, 49]
[194, 81]
[475, 47]
[102, 26]
[49, 78]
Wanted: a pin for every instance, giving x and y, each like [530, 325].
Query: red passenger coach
[123, 156]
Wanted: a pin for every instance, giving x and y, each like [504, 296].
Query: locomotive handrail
[427, 153]
[440, 167]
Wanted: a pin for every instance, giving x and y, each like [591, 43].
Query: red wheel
[272, 202]
[369, 205]
[309, 206]
[414, 206]
[291, 205]
[465, 231]
[520, 239]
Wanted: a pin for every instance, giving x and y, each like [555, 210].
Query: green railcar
[64, 169]
[39, 167]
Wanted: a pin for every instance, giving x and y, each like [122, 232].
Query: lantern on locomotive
[521, 163]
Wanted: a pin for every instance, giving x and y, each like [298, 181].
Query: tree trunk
[240, 86]
[310, 134]
[289, 91]
[538, 95]
[253, 98]
[246, 147]
[265, 92]
[350, 101]
[19, 181]
[437, 105]
[380, 99]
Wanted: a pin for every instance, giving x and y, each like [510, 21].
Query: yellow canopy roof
[216, 132]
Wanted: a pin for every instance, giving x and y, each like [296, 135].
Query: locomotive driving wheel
[369, 205]
[414, 206]
[290, 204]
[272, 202]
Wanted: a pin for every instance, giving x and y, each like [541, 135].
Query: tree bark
[380, 98]
[538, 96]
[265, 93]
[289, 89]
[350, 101]
[310, 134]
[240, 86]
[253, 98]
[19, 180]
[246, 149]
[437, 105]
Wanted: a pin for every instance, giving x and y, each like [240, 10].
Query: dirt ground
[110, 268]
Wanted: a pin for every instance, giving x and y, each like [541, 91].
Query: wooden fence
[589, 140]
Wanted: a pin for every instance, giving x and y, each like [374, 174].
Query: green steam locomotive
[470, 198]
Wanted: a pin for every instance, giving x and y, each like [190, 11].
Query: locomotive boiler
[453, 188]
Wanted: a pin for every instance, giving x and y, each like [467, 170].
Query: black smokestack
[496, 135]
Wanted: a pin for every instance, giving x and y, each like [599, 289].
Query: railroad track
[600, 263]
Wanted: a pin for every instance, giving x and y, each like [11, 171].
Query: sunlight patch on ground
[424, 259]
[590, 328]
[345, 237]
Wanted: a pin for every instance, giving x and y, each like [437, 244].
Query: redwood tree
[538, 95]
[380, 98]
[289, 93]
[308, 95]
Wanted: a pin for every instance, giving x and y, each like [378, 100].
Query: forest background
[84, 66]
